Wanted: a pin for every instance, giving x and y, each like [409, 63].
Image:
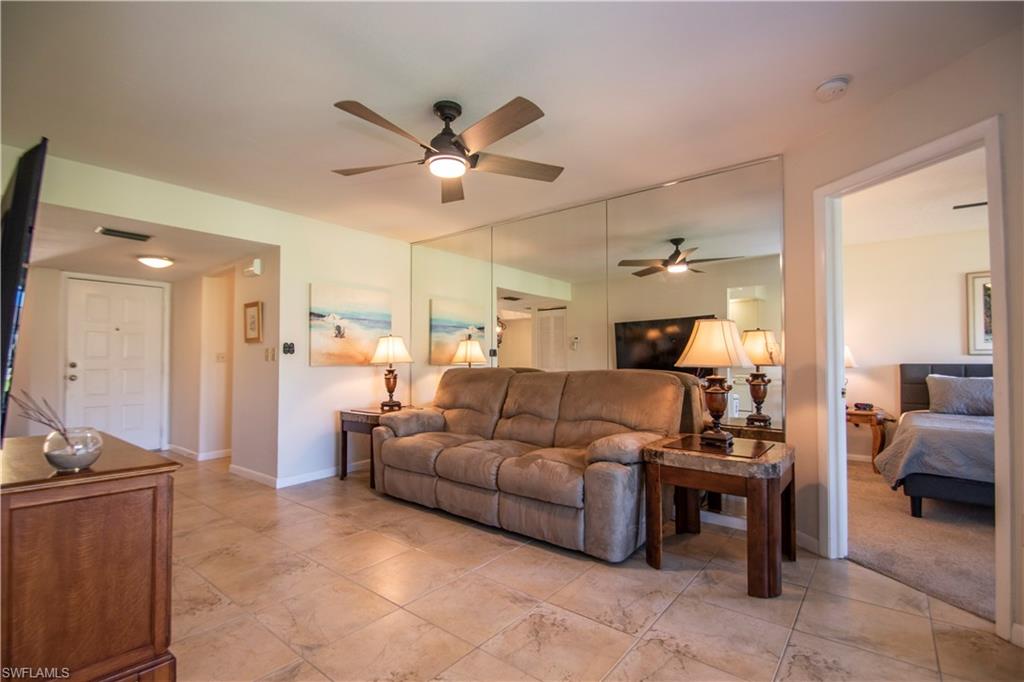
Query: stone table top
[772, 463]
[369, 415]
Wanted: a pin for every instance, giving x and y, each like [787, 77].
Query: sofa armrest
[409, 422]
[622, 448]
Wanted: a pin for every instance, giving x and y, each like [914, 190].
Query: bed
[935, 455]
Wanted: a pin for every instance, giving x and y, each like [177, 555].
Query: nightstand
[874, 419]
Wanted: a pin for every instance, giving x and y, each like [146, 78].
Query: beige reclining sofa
[552, 455]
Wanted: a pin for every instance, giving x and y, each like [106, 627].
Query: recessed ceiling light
[832, 88]
[158, 262]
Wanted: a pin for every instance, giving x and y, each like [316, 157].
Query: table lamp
[390, 349]
[848, 362]
[763, 350]
[468, 352]
[713, 344]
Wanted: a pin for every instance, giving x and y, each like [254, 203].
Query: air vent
[123, 234]
[511, 298]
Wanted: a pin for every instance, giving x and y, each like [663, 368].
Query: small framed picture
[252, 318]
[979, 313]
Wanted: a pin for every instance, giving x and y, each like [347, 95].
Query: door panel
[114, 377]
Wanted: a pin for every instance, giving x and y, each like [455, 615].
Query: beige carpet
[949, 554]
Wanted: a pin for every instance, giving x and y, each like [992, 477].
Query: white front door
[114, 363]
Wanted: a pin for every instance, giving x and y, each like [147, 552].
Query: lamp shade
[714, 343]
[469, 352]
[761, 347]
[390, 349]
[848, 359]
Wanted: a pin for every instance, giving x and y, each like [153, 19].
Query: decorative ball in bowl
[75, 449]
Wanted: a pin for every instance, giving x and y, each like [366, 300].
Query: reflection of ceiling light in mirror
[678, 267]
[155, 261]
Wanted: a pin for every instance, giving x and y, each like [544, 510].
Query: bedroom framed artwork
[830, 441]
[979, 313]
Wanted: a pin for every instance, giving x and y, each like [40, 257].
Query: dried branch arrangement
[41, 414]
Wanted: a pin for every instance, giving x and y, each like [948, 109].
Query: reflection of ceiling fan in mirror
[678, 261]
[449, 156]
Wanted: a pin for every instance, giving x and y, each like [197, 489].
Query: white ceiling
[919, 203]
[235, 98]
[66, 239]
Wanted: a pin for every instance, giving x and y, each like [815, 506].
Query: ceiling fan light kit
[449, 156]
[678, 261]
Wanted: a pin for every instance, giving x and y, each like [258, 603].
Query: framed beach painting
[345, 323]
[452, 321]
[252, 321]
[979, 313]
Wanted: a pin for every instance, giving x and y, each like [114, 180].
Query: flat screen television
[21, 198]
[654, 344]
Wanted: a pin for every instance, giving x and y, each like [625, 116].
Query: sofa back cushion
[471, 399]
[531, 408]
[600, 403]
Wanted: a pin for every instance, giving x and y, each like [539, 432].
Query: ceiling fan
[677, 261]
[449, 156]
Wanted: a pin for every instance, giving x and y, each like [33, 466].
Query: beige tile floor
[331, 581]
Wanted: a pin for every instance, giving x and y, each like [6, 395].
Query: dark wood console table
[766, 481]
[87, 564]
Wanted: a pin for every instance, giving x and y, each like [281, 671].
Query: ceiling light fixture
[447, 166]
[677, 267]
[158, 262]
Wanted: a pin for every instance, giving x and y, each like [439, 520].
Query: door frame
[165, 341]
[832, 501]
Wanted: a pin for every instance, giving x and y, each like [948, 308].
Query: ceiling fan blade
[367, 169]
[641, 263]
[683, 254]
[506, 165]
[699, 272]
[451, 190]
[499, 123]
[712, 260]
[367, 114]
[654, 269]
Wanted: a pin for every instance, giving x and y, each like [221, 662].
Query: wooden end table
[765, 480]
[357, 420]
[874, 419]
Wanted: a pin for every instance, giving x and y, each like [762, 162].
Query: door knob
[72, 377]
[72, 365]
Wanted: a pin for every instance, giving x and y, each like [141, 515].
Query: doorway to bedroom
[917, 339]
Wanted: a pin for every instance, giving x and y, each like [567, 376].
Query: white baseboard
[257, 476]
[723, 520]
[808, 542]
[199, 456]
[852, 457]
[307, 477]
[1017, 634]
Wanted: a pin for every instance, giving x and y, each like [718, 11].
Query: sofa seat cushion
[419, 452]
[477, 463]
[550, 474]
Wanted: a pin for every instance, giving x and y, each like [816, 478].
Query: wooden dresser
[86, 565]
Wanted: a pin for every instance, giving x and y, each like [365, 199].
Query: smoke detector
[832, 89]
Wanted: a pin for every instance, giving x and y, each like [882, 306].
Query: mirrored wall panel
[550, 275]
[616, 283]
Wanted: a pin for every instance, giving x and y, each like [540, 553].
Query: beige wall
[985, 83]
[905, 300]
[517, 344]
[215, 363]
[38, 354]
[185, 352]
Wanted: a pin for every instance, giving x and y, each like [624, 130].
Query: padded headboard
[914, 389]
